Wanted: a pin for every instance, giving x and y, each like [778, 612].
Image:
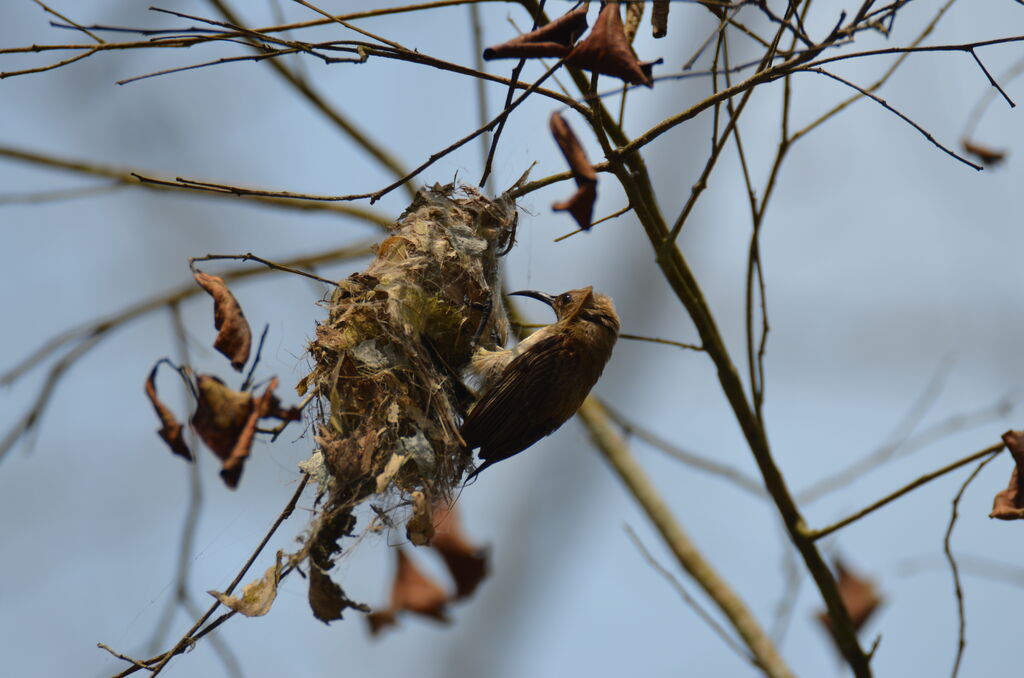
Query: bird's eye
[565, 298]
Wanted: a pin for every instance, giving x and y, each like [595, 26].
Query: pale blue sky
[885, 260]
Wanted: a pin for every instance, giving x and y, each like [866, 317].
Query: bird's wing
[522, 406]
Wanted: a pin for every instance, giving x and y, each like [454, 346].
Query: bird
[532, 389]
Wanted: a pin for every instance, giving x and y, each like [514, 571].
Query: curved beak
[540, 296]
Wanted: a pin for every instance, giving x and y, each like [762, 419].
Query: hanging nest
[387, 366]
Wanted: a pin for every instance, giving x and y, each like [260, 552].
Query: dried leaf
[581, 204]
[466, 563]
[226, 421]
[1009, 504]
[276, 411]
[420, 526]
[607, 51]
[234, 338]
[412, 591]
[220, 415]
[171, 431]
[553, 40]
[860, 598]
[659, 18]
[990, 157]
[380, 620]
[415, 592]
[326, 598]
[232, 469]
[257, 596]
[572, 149]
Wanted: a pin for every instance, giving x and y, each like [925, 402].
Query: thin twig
[701, 463]
[186, 639]
[513, 79]
[904, 445]
[885, 76]
[89, 51]
[374, 196]
[476, 29]
[655, 340]
[687, 598]
[190, 523]
[531, 186]
[992, 450]
[129, 177]
[35, 412]
[301, 86]
[957, 588]
[614, 450]
[991, 80]
[58, 194]
[787, 600]
[64, 18]
[983, 103]
[613, 215]
[130, 660]
[266, 262]
[884, 104]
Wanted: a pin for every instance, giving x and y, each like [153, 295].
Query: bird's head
[579, 305]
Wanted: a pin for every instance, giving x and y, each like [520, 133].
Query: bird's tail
[477, 471]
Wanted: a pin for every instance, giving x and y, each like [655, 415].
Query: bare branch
[991, 450]
[629, 471]
[687, 598]
[957, 588]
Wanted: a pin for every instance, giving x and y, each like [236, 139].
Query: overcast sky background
[887, 263]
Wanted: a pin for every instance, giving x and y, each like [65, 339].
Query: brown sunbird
[533, 388]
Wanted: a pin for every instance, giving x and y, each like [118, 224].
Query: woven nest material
[388, 358]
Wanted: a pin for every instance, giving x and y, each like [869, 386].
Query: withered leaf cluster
[555, 39]
[415, 592]
[581, 204]
[606, 50]
[860, 597]
[225, 419]
[1009, 503]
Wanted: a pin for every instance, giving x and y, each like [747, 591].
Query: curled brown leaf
[220, 415]
[226, 421]
[581, 204]
[412, 591]
[659, 18]
[552, 40]
[171, 431]
[234, 338]
[326, 598]
[860, 597]
[466, 563]
[1009, 503]
[990, 157]
[607, 50]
